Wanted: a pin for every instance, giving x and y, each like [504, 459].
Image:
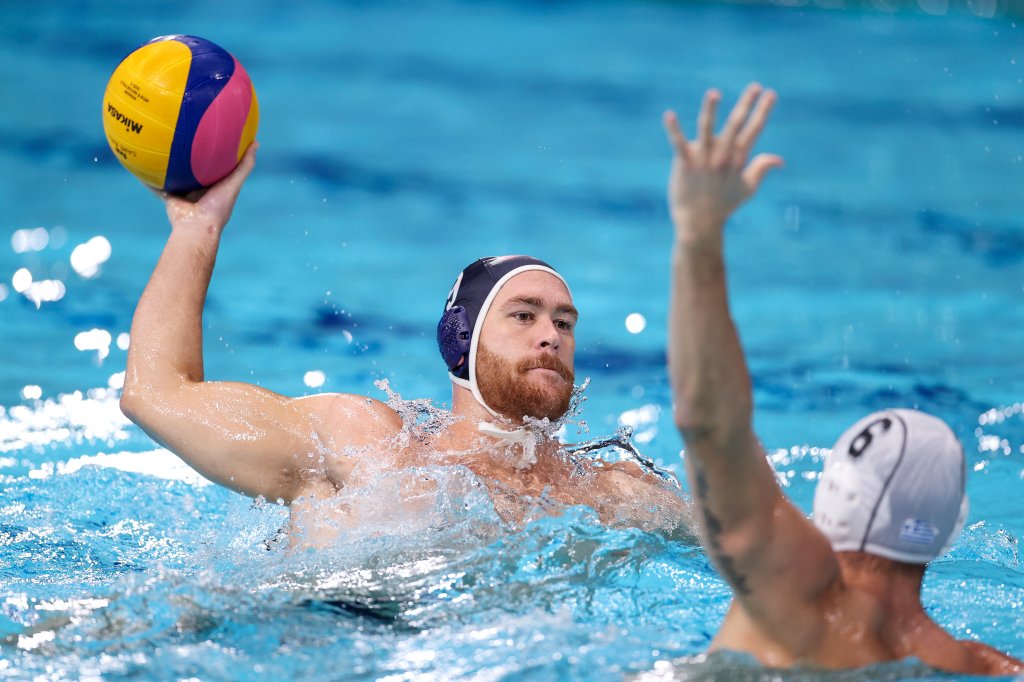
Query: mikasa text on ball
[179, 113]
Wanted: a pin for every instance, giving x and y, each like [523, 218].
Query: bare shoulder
[939, 649]
[988, 660]
[347, 420]
[627, 479]
[630, 494]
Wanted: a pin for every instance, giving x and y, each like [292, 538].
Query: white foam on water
[71, 417]
[159, 463]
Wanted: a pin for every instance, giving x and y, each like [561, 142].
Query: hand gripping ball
[179, 113]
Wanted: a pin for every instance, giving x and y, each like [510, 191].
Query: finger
[755, 124]
[758, 168]
[740, 113]
[245, 166]
[675, 135]
[706, 120]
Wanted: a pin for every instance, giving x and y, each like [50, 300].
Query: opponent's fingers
[675, 135]
[706, 119]
[755, 123]
[739, 114]
[758, 168]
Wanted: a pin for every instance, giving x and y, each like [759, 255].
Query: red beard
[508, 391]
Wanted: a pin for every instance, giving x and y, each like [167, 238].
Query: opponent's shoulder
[935, 647]
[986, 660]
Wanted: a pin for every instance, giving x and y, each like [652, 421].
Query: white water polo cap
[894, 487]
[458, 332]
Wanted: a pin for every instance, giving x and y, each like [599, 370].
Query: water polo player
[844, 589]
[507, 337]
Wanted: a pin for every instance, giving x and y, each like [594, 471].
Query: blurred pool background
[400, 141]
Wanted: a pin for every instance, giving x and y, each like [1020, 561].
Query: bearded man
[507, 337]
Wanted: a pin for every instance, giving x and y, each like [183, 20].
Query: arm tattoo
[714, 527]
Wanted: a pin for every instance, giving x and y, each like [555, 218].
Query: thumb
[757, 169]
[225, 191]
[236, 178]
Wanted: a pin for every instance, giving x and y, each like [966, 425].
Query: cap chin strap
[475, 390]
[521, 436]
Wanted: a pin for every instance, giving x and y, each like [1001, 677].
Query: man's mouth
[550, 367]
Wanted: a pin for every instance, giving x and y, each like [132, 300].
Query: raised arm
[239, 435]
[761, 544]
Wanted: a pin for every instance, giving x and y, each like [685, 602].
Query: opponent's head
[476, 289]
[894, 487]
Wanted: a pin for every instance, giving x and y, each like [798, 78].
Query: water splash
[133, 571]
[420, 417]
[622, 442]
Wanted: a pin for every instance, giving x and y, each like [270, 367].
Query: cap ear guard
[454, 335]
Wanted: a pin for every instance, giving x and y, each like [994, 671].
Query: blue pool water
[884, 266]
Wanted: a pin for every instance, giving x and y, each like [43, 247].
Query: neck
[895, 584]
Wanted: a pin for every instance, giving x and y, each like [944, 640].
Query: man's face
[526, 348]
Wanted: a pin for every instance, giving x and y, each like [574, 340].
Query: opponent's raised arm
[710, 178]
[742, 514]
[239, 435]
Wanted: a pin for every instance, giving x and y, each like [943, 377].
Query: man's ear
[454, 337]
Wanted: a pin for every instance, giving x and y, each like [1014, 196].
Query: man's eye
[522, 317]
[564, 324]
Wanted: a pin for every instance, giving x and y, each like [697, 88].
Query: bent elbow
[698, 419]
[146, 397]
[137, 399]
[693, 427]
[693, 414]
[132, 403]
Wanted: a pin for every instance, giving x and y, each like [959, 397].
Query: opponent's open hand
[711, 176]
[210, 208]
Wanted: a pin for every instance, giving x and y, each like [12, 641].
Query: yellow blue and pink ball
[179, 113]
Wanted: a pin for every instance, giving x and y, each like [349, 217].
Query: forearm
[166, 333]
[771, 555]
[241, 436]
[710, 381]
[713, 404]
[167, 330]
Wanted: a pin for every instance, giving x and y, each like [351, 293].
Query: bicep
[789, 570]
[774, 558]
[244, 437]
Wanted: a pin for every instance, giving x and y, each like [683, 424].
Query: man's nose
[548, 336]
